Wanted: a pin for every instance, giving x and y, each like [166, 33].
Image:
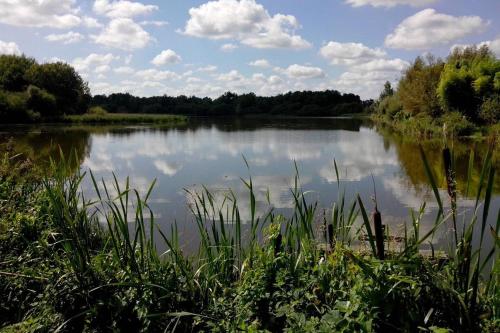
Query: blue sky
[205, 48]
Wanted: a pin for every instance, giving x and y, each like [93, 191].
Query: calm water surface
[210, 153]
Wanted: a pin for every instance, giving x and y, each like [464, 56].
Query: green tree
[417, 87]
[388, 91]
[470, 77]
[13, 71]
[61, 80]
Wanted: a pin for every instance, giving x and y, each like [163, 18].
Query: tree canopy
[30, 91]
[465, 87]
[299, 103]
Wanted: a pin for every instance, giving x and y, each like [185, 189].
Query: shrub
[13, 107]
[40, 101]
[490, 110]
[97, 110]
[389, 106]
[457, 124]
[62, 80]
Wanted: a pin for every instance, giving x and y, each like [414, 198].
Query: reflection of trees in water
[409, 157]
[41, 145]
[232, 124]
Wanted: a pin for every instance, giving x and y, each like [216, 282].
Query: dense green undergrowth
[71, 264]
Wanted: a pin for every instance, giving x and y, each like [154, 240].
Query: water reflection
[210, 153]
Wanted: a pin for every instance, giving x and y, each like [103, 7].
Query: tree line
[462, 91]
[299, 103]
[34, 92]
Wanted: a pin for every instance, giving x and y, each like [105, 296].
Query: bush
[490, 110]
[457, 124]
[390, 106]
[97, 110]
[42, 102]
[13, 107]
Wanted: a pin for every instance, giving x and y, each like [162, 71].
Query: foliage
[388, 91]
[98, 117]
[417, 87]
[60, 79]
[457, 124]
[61, 270]
[389, 106]
[490, 110]
[299, 103]
[13, 107]
[97, 110]
[31, 92]
[41, 102]
[467, 79]
[13, 71]
[463, 92]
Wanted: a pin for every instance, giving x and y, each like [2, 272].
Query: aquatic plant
[69, 263]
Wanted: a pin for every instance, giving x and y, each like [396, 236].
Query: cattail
[379, 233]
[277, 244]
[330, 236]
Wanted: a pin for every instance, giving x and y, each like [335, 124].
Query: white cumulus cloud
[230, 76]
[9, 48]
[429, 28]
[229, 47]
[123, 33]
[245, 21]
[367, 68]
[124, 70]
[208, 68]
[349, 53]
[382, 65]
[389, 3]
[305, 72]
[166, 57]
[155, 75]
[61, 14]
[93, 61]
[122, 8]
[154, 23]
[67, 38]
[260, 63]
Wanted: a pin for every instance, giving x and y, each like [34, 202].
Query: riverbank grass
[124, 118]
[70, 263]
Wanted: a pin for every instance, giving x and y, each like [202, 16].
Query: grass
[124, 118]
[70, 264]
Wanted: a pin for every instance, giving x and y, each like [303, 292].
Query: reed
[100, 267]
[125, 118]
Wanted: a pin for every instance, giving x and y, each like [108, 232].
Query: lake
[212, 153]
